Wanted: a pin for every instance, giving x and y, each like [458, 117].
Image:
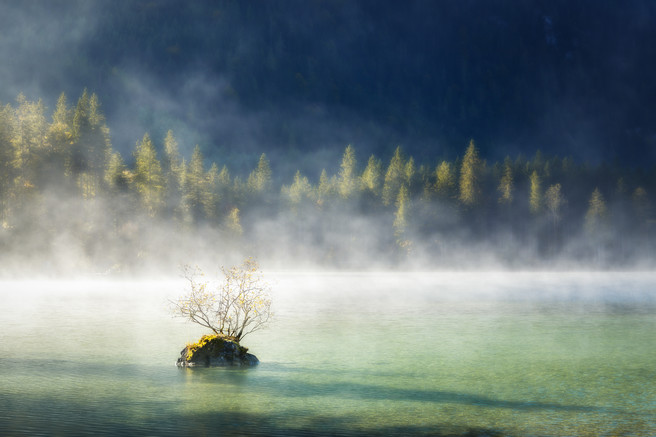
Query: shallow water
[347, 354]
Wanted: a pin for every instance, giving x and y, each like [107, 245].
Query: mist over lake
[348, 354]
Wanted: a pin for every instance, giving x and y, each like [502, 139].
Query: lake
[347, 354]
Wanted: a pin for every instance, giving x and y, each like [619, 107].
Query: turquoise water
[347, 354]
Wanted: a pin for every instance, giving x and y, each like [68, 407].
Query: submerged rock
[216, 350]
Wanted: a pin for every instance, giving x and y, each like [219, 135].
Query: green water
[348, 354]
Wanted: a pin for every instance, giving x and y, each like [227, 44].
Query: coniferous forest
[69, 202]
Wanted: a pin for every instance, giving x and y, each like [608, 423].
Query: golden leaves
[236, 307]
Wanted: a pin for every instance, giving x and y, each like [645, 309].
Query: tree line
[546, 206]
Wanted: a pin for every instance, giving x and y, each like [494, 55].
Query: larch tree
[325, 189]
[91, 144]
[348, 179]
[410, 175]
[470, 176]
[535, 197]
[596, 216]
[117, 176]
[91, 135]
[172, 168]
[238, 191]
[401, 217]
[445, 180]
[224, 185]
[80, 129]
[148, 177]
[6, 157]
[233, 222]
[394, 177]
[28, 144]
[194, 185]
[211, 192]
[60, 135]
[172, 159]
[506, 184]
[298, 191]
[259, 181]
[426, 180]
[553, 201]
[401, 214]
[371, 176]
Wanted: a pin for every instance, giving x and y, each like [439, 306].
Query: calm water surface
[348, 354]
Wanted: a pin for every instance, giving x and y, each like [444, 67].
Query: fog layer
[71, 204]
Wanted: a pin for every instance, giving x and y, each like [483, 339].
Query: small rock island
[241, 304]
[216, 350]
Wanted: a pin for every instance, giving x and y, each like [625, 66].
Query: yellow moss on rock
[204, 340]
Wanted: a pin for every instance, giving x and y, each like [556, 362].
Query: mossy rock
[216, 350]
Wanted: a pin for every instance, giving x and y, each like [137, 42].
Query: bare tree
[241, 304]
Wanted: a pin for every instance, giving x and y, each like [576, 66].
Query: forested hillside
[69, 203]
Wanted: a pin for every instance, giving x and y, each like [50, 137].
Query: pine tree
[535, 199]
[394, 177]
[148, 177]
[470, 176]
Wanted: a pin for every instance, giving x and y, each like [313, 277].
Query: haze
[357, 136]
